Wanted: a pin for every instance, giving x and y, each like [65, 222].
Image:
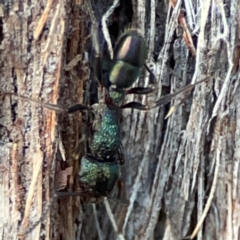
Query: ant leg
[78, 107]
[69, 194]
[135, 105]
[152, 77]
[78, 147]
[55, 107]
[49, 106]
[166, 99]
[121, 154]
[140, 90]
[118, 200]
[143, 90]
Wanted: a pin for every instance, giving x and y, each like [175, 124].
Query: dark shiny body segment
[129, 56]
[122, 70]
[106, 139]
[131, 48]
[97, 176]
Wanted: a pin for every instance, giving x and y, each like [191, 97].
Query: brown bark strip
[37, 167]
[52, 37]
[186, 34]
[42, 19]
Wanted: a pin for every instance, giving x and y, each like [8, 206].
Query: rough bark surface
[180, 172]
[42, 45]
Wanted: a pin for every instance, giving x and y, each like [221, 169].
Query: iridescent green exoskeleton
[97, 176]
[100, 166]
[104, 154]
[106, 138]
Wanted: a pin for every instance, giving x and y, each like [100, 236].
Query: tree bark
[181, 171]
[41, 58]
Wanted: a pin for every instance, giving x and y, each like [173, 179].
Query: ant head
[129, 56]
[131, 48]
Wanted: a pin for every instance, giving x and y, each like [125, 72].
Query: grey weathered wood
[177, 159]
[34, 41]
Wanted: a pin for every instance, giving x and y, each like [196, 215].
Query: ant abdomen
[98, 176]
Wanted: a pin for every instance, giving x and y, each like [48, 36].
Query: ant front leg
[121, 155]
[135, 105]
[78, 107]
[185, 91]
[70, 194]
[152, 77]
[145, 90]
[54, 107]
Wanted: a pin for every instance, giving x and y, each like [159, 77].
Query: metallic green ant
[100, 166]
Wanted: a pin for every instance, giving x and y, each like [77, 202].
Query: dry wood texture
[181, 174]
[41, 45]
